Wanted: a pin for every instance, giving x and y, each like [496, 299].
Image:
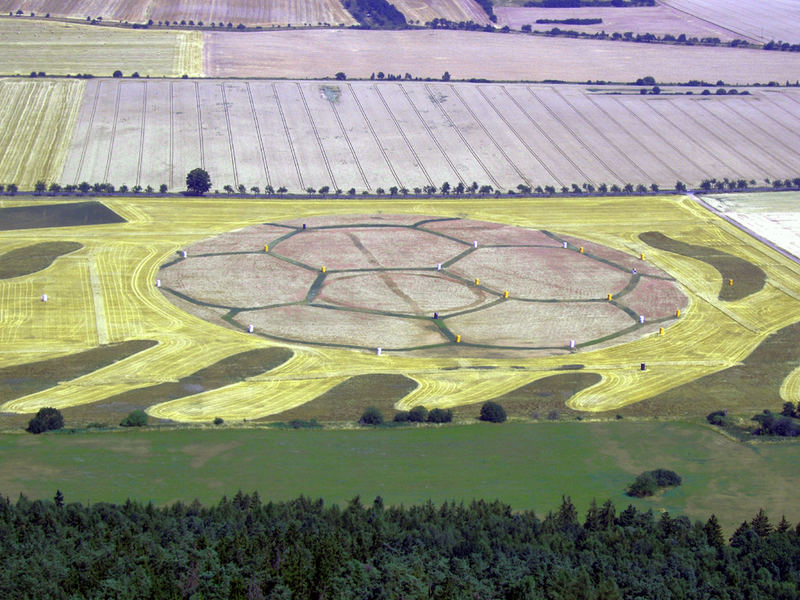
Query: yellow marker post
[661, 331]
[609, 297]
[477, 281]
[505, 294]
[266, 247]
[458, 339]
[641, 256]
[323, 268]
[581, 250]
[678, 313]
[730, 282]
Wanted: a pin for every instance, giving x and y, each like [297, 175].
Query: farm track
[709, 337]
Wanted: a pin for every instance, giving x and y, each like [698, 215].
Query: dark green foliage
[136, 418]
[440, 415]
[218, 420]
[371, 416]
[47, 419]
[418, 414]
[770, 423]
[647, 483]
[401, 417]
[198, 181]
[375, 13]
[243, 548]
[492, 412]
[720, 418]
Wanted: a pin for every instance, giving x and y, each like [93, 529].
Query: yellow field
[68, 49]
[106, 293]
[36, 122]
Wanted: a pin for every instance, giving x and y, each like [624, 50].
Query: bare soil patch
[24, 261]
[491, 233]
[422, 11]
[655, 298]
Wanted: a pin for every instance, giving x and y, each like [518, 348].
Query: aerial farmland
[327, 248]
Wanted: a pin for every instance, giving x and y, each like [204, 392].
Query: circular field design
[422, 286]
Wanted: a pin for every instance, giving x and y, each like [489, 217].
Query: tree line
[242, 547]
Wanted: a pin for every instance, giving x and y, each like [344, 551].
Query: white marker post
[572, 344]
[44, 297]
[475, 244]
[183, 253]
[378, 351]
[158, 283]
[564, 244]
[438, 266]
[641, 319]
[249, 329]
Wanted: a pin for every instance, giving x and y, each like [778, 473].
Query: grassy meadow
[525, 465]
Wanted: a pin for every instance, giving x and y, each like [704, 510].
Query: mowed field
[69, 49]
[423, 11]
[658, 20]
[496, 56]
[370, 135]
[763, 21]
[247, 12]
[36, 123]
[106, 293]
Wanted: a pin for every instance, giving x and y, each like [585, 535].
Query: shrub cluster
[492, 412]
[648, 483]
[420, 414]
[47, 419]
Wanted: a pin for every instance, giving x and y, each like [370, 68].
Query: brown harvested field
[542, 273]
[658, 20]
[490, 233]
[368, 248]
[66, 48]
[762, 21]
[423, 11]
[249, 239]
[385, 290]
[343, 329]
[247, 12]
[428, 53]
[540, 325]
[367, 135]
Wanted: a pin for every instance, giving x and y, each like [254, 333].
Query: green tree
[163, 188]
[418, 414]
[371, 416]
[440, 415]
[136, 418]
[198, 181]
[47, 419]
[492, 412]
[40, 187]
[714, 532]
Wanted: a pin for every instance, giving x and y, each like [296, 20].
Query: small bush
[47, 419]
[647, 483]
[418, 414]
[720, 418]
[440, 415]
[137, 418]
[371, 416]
[402, 417]
[218, 421]
[492, 412]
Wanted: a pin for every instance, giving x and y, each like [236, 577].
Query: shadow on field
[28, 260]
[347, 401]
[747, 277]
[749, 387]
[75, 214]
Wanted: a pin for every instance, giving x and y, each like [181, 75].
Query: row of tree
[304, 549]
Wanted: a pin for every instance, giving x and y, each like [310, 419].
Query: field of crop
[763, 21]
[247, 12]
[36, 123]
[370, 135]
[527, 466]
[658, 20]
[421, 11]
[465, 54]
[106, 293]
[65, 48]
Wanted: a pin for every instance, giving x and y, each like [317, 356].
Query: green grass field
[528, 466]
